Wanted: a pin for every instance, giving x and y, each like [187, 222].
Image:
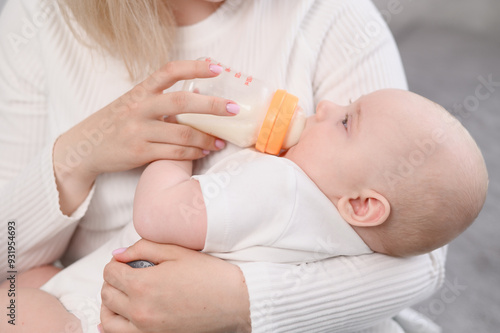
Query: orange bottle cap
[278, 118]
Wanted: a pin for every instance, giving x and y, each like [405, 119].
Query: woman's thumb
[143, 250]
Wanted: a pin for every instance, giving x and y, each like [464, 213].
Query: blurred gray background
[449, 48]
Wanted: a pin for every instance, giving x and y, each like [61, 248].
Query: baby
[392, 173]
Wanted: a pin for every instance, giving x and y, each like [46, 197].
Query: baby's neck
[289, 154]
[298, 155]
[370, 237]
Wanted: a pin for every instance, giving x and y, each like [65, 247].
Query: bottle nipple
[276, 123]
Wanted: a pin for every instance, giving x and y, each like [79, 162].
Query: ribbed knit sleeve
[343, 294]
[28, 193]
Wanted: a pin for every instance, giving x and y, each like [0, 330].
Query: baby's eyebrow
[358, 115]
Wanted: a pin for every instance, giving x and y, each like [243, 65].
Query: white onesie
[265, 208]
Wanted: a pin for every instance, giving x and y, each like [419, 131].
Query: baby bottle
[269, 118]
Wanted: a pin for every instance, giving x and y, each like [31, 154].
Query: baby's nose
[325, 109]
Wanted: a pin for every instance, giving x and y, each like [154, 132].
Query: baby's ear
[366, 209]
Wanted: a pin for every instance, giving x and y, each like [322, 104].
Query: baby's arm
[169, 206]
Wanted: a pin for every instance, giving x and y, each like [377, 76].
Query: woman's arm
[169, 207]
[43, 187]
[358, 56]
[28, 193]
[344, 294]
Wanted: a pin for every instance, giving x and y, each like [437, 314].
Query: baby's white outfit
[265, 208]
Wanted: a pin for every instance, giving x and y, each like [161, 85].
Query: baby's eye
[345, 121]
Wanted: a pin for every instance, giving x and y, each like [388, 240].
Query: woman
[79, 126]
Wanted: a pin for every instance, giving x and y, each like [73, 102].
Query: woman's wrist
[74, 181]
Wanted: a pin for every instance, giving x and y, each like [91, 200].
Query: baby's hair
[434, 205]
[421, 222]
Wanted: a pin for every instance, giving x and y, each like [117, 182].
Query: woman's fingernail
[205, 152]
[215, 69]
[233, 108]
[118, 251]
[99, 328]
[219, 143]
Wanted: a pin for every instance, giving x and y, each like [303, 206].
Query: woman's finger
[119, 276]
[176, 134]
[115, 300]
[175, 71]
[114, 323]
[186, 102]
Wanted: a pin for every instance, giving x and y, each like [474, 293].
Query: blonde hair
[140, 32]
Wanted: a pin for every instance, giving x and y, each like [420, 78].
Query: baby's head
[399, 168]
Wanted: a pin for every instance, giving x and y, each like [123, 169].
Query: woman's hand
[131, 131]
[186, 291]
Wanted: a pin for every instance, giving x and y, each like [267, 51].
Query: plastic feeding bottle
[269, 118]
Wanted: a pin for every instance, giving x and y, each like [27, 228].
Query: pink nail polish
[233, 108]
[99, 328]
[215, 69]
[219, 144]
[118, 251]
[206, 152]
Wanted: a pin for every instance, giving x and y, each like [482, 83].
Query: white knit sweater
[315, 49]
